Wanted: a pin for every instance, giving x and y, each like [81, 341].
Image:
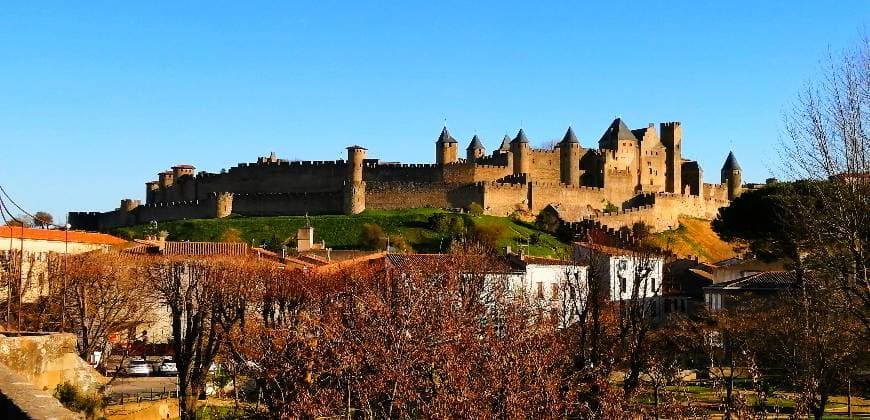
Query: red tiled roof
[76, 236]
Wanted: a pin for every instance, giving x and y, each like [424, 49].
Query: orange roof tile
[76, 236]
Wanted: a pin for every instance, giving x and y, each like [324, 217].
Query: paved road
[135, 385]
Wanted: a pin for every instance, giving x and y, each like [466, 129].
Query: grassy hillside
[343, 232]
[694, 237]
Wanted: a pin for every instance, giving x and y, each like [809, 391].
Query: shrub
[610, 208]
[72, 398]
[372, 236]
[398, 243]
[475, 209]
[232, 235]
[490, 234]
[641, 230]
[447, 224]
[547, 221]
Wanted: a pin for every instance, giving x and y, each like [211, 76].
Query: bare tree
[207, 300]
[43, 219]
[827, 139]
[102, 295]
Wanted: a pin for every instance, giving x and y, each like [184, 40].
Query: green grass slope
[343, 232]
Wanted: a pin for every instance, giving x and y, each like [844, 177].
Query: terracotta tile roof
[363, 260]
[76, 236]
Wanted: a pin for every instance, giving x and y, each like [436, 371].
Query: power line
[21, 209]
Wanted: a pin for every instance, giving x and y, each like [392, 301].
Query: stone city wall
[402, 195]
[545, 165]
[277, 204]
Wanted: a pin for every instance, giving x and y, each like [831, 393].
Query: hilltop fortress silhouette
[641, 172]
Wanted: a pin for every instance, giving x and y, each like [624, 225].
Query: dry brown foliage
[421, 344]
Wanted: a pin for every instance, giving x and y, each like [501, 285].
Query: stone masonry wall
[400, 195]
[287, 203]
[274, 177]
[47, 360]
[545, 165]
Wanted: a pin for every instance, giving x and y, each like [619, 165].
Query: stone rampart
[500, 199]
[662, 211]
[716, 192]
[374, 171]
[277, 204]
[401, 195]
[274, 177]
[545, 165]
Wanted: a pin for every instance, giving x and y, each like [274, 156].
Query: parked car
[168, 368]
[138, 367]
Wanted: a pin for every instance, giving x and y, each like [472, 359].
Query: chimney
[161, 240]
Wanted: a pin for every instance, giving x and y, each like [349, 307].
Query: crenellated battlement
[85, 213]
[502, 186]
[565, 186]
[629, 210]
[370, 165]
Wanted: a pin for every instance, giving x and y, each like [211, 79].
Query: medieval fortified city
[592, 273]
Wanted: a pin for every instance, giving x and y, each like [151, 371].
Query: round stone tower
[354, 191]
[446, 148]
[569, 159]
[475, 149]
[731, 176]
[152, 189]
[223, 204]
[166, 179]
[522, 153]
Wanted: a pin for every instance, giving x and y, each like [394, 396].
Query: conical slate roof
[617, 132]
[445, 136]
[475, 143]
[731, 163]
[520, 138]
[570, 137]
[505, 143]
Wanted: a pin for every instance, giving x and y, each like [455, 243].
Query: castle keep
[642, 172]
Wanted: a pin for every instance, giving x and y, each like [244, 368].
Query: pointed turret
[569, 158]
[475, 149]
[570, 137]
[732, 176]
[505, 144]
[475, 143]
[520, 138]
[445, 136]
[521, 153]
[446, 148]
[730, 163]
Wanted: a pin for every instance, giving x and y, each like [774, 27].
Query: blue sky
[96, 98]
